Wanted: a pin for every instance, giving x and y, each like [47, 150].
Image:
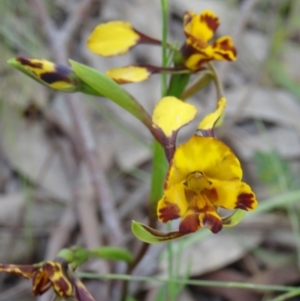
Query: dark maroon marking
[144, 39]
[245, 201]
[171, 211]
[63, 285]
[224, 55]
[52, 77]
[189, 224]
[211, 194]
[25, 271]
[41, 282]
[212, 22]
[187, 50]
[169, 145]
[213, 223]
[27, 62]
[190, 196]
[225, 46]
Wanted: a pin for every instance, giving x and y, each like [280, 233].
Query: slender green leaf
[110, 89]
[150, 235]
[159, 170]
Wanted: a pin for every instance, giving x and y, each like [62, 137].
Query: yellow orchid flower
[51, 274]
[199, 30]
[204, 174]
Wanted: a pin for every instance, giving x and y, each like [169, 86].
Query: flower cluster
[118, 37]
[203, 175]
[51, 274]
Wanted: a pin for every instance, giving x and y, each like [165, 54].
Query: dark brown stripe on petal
[20, 270]
[225, 45]
[211, 21]
[62, 287]
[40, 282]
[60, 278]
[224, 55]
[187, 50]
[211, 194]
[169, 212]
[52, 77]
[245, 201]
[27, 62]
[213, 223]
[189, 224]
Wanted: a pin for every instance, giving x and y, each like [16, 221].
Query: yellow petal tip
[112, 38]
[170, 114]
[129, 74]
[210, 120]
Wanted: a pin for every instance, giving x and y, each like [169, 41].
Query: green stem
[164, 9]
[159, 169]
[199, 83]
[171, 285]
[287, 295]
[239, 285]
[217, 80]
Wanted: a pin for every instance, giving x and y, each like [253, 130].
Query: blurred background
[51, 188]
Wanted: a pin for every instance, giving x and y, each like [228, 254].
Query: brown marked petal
[189, 224]
[25, 271]
[211, 194]
[225, 44]
[40, 282]
[211, 20]
[169, 212]
[245, 201]
[212, 222]
[60, 278]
